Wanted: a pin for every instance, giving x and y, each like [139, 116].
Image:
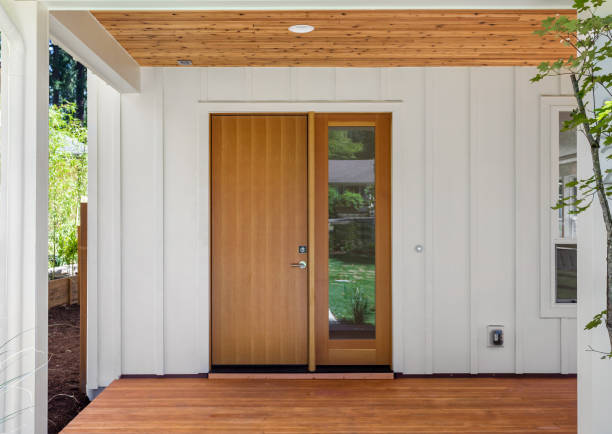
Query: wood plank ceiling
[341, 38]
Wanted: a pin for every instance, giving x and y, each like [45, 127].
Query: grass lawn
[353, 274]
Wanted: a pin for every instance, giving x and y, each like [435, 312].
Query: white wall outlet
[495, 336]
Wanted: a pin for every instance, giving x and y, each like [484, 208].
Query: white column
[23, 211]
[104, 296]
[594, 374]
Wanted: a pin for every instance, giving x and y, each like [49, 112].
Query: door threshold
[300, 372]
[302, 376]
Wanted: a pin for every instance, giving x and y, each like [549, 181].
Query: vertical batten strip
[93, 365]
[564, 346]
[430, 111]
[248, 80]
[203, 237]
[473, 212]
[518, 327]
[158, 169]
[311, 242]
[294, 85]
[203, 84]
[116, 283]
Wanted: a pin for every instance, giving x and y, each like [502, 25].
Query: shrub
[360, 306]
[67, 182]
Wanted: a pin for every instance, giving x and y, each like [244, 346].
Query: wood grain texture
[82, 242]
[312, 363]
[365, 38]
[354, 351]
[436, 405]
[259, 218]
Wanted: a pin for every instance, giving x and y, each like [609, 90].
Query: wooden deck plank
[475, 405]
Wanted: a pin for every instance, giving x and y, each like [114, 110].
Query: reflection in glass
[351, 206]
[567, 174]
[565, 273]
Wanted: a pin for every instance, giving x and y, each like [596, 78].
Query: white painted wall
[466, 179]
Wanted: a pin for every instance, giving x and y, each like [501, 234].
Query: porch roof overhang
[80, 34]
[116, 38]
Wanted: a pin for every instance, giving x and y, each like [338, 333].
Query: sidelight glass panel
[565, 245]
[352, 235]
[567, 175]
[566, 273]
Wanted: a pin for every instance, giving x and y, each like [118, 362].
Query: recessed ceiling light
[301, 28]
[184, 62]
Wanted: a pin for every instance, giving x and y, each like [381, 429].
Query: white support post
[23, 212]
[594, 374]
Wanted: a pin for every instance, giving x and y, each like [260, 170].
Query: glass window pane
[351, 214]
[565, 273]
[567, 173]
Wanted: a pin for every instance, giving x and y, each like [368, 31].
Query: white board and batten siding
[466, 174]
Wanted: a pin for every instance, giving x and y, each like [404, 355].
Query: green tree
[590, 36]
[351, 200]
[342, 147]
[67, 81]
[67, 182]
[332, 201]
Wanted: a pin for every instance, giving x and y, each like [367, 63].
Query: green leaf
[596, 321]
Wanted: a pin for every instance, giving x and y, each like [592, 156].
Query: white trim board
[81, 35]
[208, 108]
[549, 154]
[300, 4]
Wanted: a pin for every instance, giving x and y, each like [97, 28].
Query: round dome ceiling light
[301, 28]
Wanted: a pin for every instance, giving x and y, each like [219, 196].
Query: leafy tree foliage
[67, 182]
[67, 81]
[350, 144]
[590, 36]
[347, 201]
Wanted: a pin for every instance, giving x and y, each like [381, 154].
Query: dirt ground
[65, 398]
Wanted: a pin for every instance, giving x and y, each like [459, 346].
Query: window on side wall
[559, 237]
[565, 243]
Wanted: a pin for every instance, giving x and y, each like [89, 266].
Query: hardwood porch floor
[440, 405]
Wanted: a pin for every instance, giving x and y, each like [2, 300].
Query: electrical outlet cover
[490, 329]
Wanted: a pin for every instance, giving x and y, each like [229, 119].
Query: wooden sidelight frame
[375, 351]
[321, 351]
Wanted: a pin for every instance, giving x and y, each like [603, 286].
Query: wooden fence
[72, 290]
[63, 291]
[83, 293]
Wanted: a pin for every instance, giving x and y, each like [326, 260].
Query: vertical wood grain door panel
[259, 195]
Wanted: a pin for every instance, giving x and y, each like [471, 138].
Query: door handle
[301, 264]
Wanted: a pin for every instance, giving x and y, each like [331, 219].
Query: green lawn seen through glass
[344, 277]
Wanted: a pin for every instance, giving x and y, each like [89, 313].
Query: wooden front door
[259, 221]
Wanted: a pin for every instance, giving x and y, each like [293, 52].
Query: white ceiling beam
[301, 4]
[81, 35]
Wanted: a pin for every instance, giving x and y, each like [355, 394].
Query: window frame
[550, 108]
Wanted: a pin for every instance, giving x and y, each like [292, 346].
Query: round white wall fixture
[301, 28]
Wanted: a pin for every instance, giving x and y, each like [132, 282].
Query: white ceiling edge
[301, 4]
[80, 34]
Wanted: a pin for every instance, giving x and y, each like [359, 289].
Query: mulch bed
[65, 397]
